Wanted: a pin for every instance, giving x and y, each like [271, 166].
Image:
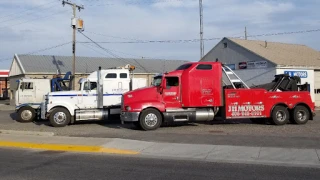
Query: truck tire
[150, 119]
[301, 115]
[280, 115]
[59, 117]
[26, 114]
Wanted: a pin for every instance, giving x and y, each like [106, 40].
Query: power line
[40, 50]
[114, 55]
[34, 19]
[205, 39]
[23, 15]
[133, 2]
[29, 9]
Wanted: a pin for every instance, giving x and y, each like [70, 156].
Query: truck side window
[111, 75]
[93, 86]
[123, 75]
[172, 81]
[204, 67]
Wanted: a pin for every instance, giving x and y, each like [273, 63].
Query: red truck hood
[141, 94]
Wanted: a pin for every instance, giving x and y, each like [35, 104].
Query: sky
[43, 27]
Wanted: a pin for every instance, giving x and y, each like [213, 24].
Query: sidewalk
[213, 153]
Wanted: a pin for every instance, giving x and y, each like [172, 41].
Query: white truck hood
[64, 93]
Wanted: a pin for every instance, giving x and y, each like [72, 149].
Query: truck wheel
[280, 115]
[59, 117]
[301, 115]
[150, 119]
[26, 114]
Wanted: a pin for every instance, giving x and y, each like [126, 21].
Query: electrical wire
[23, 15]
[29, 9]
[40, 50]
[3, 27]
[205, 39]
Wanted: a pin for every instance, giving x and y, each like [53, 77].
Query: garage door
[317, 87]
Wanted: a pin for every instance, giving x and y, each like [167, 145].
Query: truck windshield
[157, 81]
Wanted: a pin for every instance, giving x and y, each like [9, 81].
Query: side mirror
[160, 89]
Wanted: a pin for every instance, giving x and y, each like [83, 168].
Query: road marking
[66, 147]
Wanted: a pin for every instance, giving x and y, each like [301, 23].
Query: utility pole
[74, 27]
[201, 30]
[245, 33]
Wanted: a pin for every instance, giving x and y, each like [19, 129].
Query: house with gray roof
[46, 66]
[256, 62]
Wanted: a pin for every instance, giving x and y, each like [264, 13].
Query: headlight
[128, 108]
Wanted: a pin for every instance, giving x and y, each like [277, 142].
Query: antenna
[201, 30]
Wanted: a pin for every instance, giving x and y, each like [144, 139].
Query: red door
[171, 92]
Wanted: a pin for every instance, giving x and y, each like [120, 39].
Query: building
[46, 66]
[4, 74]
[257, 62]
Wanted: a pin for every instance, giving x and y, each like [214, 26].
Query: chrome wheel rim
[151, 119]
[59, 117]
[26, 115]
[301, 115]
[281, 116]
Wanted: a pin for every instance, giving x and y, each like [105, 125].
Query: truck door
[171, 92]
[26, 92]
[89, 98]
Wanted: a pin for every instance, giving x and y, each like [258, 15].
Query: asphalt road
[240, 133]
[39, 165]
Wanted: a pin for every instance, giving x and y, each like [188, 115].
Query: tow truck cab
[197, 92]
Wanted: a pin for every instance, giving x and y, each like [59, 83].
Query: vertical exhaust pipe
[99, 89]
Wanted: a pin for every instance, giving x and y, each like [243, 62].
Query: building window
[123, 75]
[26, 85]
[225, 45]
[204, 67]
[111, 76]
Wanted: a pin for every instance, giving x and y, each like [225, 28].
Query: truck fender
[140, 106]
[278, 104]
[33, 105]
[304, 104]
[63, 105]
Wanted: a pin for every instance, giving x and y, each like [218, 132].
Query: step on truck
[30, 92]
[202, 91]
[98, 98]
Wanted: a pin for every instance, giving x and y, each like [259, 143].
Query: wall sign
[257, 64]
[301, 74]
[242, 65]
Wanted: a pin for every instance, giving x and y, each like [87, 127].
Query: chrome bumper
[129, 116]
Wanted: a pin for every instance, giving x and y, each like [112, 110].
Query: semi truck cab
[198, 92]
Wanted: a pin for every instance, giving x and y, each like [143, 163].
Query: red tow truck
[198, 91]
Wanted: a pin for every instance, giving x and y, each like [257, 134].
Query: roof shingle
[50, 64]
[282, 53]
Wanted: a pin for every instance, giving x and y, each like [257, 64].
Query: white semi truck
[99, 97]
[30, 93]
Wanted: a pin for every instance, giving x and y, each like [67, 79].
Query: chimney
[265, 44]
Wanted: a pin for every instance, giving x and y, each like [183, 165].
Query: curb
[67, 148]
[34, 133]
